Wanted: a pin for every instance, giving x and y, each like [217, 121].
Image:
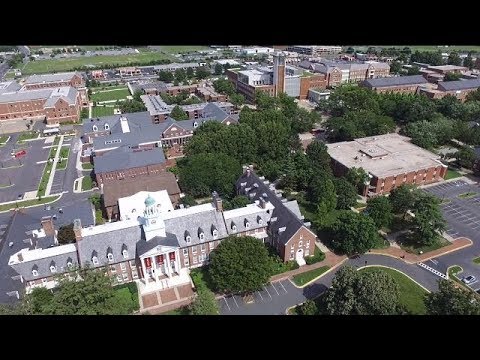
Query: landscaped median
[87, 166]
[42, 187]
[27, 136]
[63, 160]
[28, 203]
[87, 183]
[4, 139]
[306, 277]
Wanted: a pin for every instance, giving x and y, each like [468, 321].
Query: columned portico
[160, 265]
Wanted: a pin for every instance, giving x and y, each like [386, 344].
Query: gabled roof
[396, 81]
[145, 246]
[459, 85]
[125, 158]
[46, 78]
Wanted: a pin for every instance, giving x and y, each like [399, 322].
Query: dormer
[35, 270]
[201, 234]
[214, 231]
[195, 125]
[124, 251]
[94, 258]
[259, 220]
[233, 226]
[109, 254]
[69, 263]
[188, 238]
[53, 267]
[246, 223]
[95, 128]
[106, 127]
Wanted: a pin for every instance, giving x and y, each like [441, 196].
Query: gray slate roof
[117, 240]
[145, 246]
[294, 208]
[127, 158]
[285, 217]
[69, 96]
[9, 86]
[459, 85]
[396, 81]
[192, 223]
[252, 219]
[39, 79]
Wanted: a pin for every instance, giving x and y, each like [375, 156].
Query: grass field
[42, 186]
[98, 111]
[476, 261]
[442, 48]
[176, 49]
[27, 136]
[63, 161]
[101, 88]
[441, 242]
[87, 166]
[302, 279]
[28, 203]
[87, 183]
[3, 139]
[110, 95]
[411, 294]
[452, 174]
[68, 64]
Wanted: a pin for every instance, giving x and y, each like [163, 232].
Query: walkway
[164, 300]
[54, 167]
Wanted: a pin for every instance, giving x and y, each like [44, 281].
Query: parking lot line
[233, 297]
[283, 287]
[226, 302]
[260, 294]
[275, 289]
[267, 292]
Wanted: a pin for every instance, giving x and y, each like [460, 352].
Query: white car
[470, 279]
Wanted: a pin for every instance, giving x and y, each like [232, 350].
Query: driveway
[276, 297]
[463, 219]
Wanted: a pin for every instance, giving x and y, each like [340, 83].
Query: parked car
[19, 196]
[470, 279]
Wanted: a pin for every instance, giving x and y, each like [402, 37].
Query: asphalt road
[3, 69]
[463, 219]
[275, 298]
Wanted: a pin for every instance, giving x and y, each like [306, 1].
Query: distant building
[73, 79]
[390, 160]
[400, 84]
[315, 50]
[257, 50]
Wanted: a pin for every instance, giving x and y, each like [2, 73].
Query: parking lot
[463, 220]
[23, 173]
[273, 299]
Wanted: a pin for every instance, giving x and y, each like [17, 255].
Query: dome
[149, 201]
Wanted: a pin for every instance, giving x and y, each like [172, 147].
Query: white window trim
[188, 239]
[95, 260]
[69, 265]
[110, 257]
[123, 266]
[125, 254]
[53, 269]
[202, 236]
[35, 272]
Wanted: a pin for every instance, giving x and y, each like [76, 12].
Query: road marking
[283, 287]
[275, 289]
[226, 302]
[260, 294]
[267, 292]
[434, 261]
[233, 297]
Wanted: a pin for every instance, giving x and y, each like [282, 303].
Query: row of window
[53, 268]
[211, 246]
[109, 257]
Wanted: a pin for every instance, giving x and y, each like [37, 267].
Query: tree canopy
[240, 265]
[380, 210]
[346, 194]
[428, 221]
[451, 300]
[65, 234]
[178, 113]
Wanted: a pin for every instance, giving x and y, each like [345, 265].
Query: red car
[20, 153]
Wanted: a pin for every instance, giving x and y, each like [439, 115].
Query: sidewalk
[409, 258]
[54, 167]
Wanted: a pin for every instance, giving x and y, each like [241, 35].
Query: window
[201, 258]
[212, 245]
[185, 262]
[202, 247]
[247, 225]
[202, 236]
[69, 264]
[300, 243]
[234, 228]
[95, 128]
[44, 280]
[34, 272]
[134, 275]
[110, 257]
[123, 266]
[125, 276]
[195, 124]
[113, 269]
[194, 250]
[125, 253]
[307, 252]
[308, 243]
[292, 255]
[194, 260]
[106, 127]
[185, 252]
[215, 234]
[95, 260]
[119, 278]
[53, 269]
[188, 239]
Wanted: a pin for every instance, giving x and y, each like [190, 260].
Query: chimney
[47, 225]
[20, 257]
[77, 229]
[217, 201]
[263, 203]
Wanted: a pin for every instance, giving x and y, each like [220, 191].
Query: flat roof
[248, 209]
[383, 155]
[448, 67]
[30, 255]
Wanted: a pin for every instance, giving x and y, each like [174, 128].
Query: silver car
[470, 279]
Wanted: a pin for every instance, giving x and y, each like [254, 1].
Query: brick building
[54, 105]
[315, 50]
[156, 245]
[402, 84]
[209, 94]
[390, 160]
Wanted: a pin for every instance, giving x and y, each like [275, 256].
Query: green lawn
[360, 205]
[110, 95]
[42, 186]
[452, 174]
[63, 160]
[3, 139]
[86, 183]
[25, 203]
[414, 249]
[127, 295]
[99, 217]
[176, 49]
[69, 64]
[106, 87]
[56, 141]
[87, 166]
[411, 294]
[99, 111]
[467, 195]
[53, 152]
[476, 261]
[453, 271]
[27, 136]
[64, 151]
[302, 279]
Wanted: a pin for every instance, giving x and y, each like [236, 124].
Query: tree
[346, 194]
[452, 76]
[354, 233]
[202, 72]
[237, 100]
[39, 301]
[352, 98]
[218, 69]
[308, 308]
[450, 299]
[429, 134]
[414, 70]
[322, 190]
[197, 178]
[240, 265]
[428, 221]
[380, 211]
[224, 86]
[166, 76]
[178, 113]
[180, 75]
[237, 202]
[403, 198]
[318, 156]
[454, 59]
[395, 67]
[66, 235]
[473, 96]
[190, 73]
[466, 157]
[358, 177]
[468, 61]
[264, 101]
[361, 293]
[204, 304]
[131, 106]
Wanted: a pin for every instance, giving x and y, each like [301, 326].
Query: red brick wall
[312, 82]
[138, 172]
[303, 236]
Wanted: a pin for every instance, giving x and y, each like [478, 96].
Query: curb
[318, 277]
[401, 272]
[31, 206]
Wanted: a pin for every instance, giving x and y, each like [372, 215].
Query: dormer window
[69, 265]
[35, 272]
[125, 253]
[247, 224]
[188, 238]
[215, 233]
[195, 125]
[95, 128]
[201, 236]
[259, 220]
[106, 127]
[53, 269]
[134, 210]
[95, 260]
[233, 227]
[110, 257]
